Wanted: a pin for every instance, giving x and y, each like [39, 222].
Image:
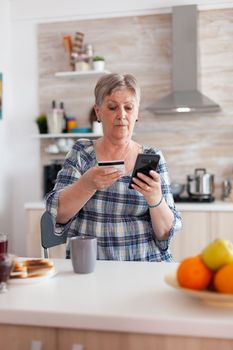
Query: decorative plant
[98, 58]
[41, 121]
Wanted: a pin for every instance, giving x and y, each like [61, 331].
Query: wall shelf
[77, 135]
[74, 74]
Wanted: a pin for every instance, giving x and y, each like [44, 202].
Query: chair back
[48, 238]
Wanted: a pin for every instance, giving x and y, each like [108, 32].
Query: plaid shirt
[118, 216]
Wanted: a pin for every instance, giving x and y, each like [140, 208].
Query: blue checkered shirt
[118, 216]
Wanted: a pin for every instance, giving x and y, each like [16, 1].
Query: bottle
[55, 119]
[65, 126]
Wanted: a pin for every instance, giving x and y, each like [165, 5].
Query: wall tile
[142, 46]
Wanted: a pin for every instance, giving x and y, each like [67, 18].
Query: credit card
[118, 164]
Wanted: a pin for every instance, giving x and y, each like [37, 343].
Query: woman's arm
[157, 193]
[75, 196]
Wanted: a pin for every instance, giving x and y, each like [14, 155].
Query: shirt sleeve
[70, 172]
[163, 245]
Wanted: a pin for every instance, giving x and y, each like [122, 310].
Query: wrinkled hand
[98, 178]
[149, 187]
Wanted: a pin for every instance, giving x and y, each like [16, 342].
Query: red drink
[6, 264]
[3, 247]
[3, 243]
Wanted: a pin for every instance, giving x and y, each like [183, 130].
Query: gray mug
[83, 251]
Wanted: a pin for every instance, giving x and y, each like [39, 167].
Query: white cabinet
[33, 237]
[222, 225]
[194, 236]
[34, 248]
[199, 229]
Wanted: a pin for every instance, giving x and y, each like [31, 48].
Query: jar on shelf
[71, 123]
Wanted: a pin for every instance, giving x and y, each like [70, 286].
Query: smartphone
[144, 164]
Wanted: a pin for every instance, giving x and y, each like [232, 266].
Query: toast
[19, 270]
[32, 268]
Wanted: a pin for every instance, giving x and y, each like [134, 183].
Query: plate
[33, 280]
[205, 296]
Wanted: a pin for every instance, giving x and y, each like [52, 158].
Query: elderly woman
[130, 224]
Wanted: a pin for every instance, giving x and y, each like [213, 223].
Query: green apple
[218, 253]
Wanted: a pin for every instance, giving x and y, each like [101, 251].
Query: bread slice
[38, 262]
[19, 270]
[32, 268]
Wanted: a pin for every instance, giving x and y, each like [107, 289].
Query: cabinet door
[34, 248]
[99, 340]
[27, 338]
[194, 235]
[222, 225]
[90, 340]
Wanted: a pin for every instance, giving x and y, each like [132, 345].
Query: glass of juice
[3, 243]
[6, 264]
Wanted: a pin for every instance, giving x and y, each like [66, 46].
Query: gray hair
[112, 82]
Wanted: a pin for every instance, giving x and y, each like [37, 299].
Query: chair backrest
[48, 238]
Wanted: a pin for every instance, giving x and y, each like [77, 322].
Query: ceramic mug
[83, 251]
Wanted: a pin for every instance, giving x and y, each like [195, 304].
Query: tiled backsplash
[142, 46]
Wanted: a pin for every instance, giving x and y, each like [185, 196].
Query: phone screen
[144, 163]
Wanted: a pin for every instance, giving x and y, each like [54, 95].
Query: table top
[117, 296]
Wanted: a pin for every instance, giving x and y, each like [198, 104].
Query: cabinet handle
[77, 347]
[36, 345]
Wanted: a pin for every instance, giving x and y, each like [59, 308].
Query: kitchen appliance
[191, 199]
[227, 190]
[200, 184]
[50, 175]
[185, 96]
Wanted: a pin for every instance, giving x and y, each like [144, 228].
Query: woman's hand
[148, 186]
[98, 178]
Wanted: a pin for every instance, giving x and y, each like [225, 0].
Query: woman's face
[118, 114]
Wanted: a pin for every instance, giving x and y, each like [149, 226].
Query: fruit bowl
[209, 297]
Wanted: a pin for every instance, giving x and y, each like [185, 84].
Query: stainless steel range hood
[185, 96]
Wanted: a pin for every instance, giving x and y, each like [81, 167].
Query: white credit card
[118, 164]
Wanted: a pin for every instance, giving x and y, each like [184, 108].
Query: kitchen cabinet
[96, 340]
[200, 227]
[33, 236]
[195, 234]
[15, 337]
[222, 225]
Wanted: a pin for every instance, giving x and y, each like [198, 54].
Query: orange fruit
[194, 274]
[223, 279]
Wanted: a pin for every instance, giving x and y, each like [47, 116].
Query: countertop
[118, 296]
[214, 206]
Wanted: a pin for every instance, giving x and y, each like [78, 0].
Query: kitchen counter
[118, 296]
[214, 206]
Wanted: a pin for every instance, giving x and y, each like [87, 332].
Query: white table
[118, 296]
